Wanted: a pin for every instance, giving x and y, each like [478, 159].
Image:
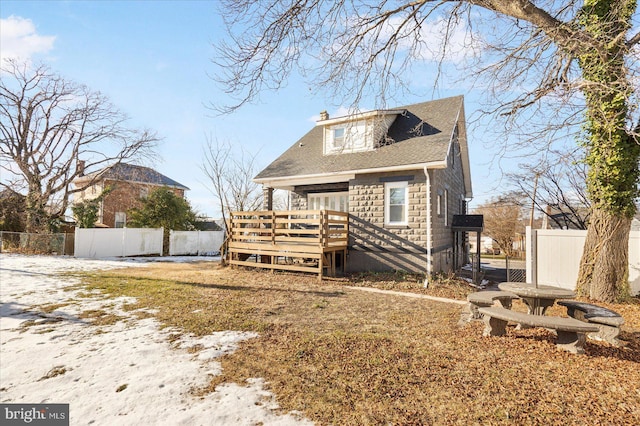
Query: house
[575, 218]
[210, 224]
[128, 184]
[487, 245]
[401, 174]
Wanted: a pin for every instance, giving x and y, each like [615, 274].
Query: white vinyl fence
[115, 242]
[195, 242]
[553, 257]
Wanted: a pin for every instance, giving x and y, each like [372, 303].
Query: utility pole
[533, 200]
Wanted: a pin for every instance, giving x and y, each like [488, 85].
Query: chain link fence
[516, 270]
[496, 269]
[27, 243]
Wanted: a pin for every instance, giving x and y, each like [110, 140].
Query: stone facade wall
[376, 246]
[267, 198]
[449, 181]
[298, 201]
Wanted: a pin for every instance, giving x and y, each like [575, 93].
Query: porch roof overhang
[467, 223]
[289, 182]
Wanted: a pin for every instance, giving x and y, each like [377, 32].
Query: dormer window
[338, 137]
[356, 133]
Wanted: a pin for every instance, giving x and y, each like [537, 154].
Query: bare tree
[51, 131]
[502, 222]
[550, 66]
[231, 177]
[557, 189]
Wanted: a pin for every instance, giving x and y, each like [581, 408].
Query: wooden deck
[296, 240]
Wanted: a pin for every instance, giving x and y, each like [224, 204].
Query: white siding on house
[362, 135]
[90, 193]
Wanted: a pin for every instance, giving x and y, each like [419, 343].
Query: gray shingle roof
[434, 121]
[133, 173]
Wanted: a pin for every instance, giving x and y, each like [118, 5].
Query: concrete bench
[607, 321]
[484, 299]
[570, 331]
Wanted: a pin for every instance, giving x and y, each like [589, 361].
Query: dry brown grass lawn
[344, 356]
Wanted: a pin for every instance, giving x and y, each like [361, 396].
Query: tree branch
[47, 125]
[633, 41]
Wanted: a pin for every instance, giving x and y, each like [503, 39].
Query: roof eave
[360, 116]
[464, 151]
[288, 182]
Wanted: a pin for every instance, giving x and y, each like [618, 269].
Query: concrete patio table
[537, 298]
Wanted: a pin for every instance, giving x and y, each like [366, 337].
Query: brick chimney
[324, 115]
[80, 167]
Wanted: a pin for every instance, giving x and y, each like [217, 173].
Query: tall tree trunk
[604, 267]
[612, 151]
[36, 213]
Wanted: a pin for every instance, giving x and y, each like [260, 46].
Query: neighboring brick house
[129, 184]
[401, 174]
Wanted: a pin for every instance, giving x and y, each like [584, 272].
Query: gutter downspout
[428, 184]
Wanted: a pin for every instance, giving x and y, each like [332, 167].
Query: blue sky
[153, 59]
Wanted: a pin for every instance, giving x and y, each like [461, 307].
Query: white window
[121, 220]
[442, 205]
[338, 137]
[446, 207]
[439, 203]
[338, 201]
[396, 203]
[144, 192]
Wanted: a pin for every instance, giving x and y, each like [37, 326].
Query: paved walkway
[408, 294]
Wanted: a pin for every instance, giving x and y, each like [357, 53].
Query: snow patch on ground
[127, 373]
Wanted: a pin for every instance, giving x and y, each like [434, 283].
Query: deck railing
[296, 240]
